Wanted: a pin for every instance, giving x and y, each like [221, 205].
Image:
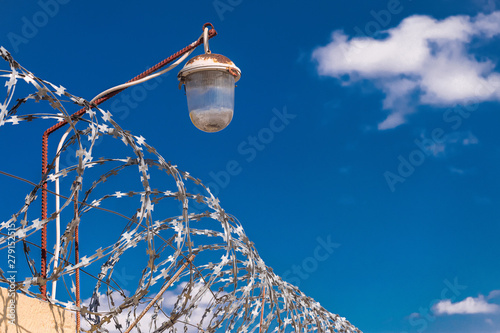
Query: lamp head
[210, 80]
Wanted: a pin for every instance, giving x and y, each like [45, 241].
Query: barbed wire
[227, 287]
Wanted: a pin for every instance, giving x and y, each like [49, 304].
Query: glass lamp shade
[210, 98]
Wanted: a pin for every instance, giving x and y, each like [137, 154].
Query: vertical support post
[77, 260]
[43, 268]
[262, 309]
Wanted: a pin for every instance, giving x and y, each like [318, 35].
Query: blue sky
[369, 124]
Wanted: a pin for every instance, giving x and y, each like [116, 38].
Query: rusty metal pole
[77, 259]
[45, 139]
[262, 309]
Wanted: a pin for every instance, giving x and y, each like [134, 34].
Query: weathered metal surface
[212, 57]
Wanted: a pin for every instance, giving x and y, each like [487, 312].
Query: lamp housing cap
[207, 62]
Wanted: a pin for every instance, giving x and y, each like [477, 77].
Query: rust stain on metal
[214, 57]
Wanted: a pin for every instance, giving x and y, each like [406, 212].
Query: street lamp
[221, 95]
[209, 81]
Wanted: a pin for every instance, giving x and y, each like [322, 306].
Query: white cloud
[449, 143]
[486, 5]
[167, 303]
[422, 57]
[494, 294]
[457, 171]
[470, 305]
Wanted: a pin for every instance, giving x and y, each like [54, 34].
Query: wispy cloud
[494, 294]
[457, 171]
[449, 143]
[486, 5]
[470, 305]
[421, 61]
